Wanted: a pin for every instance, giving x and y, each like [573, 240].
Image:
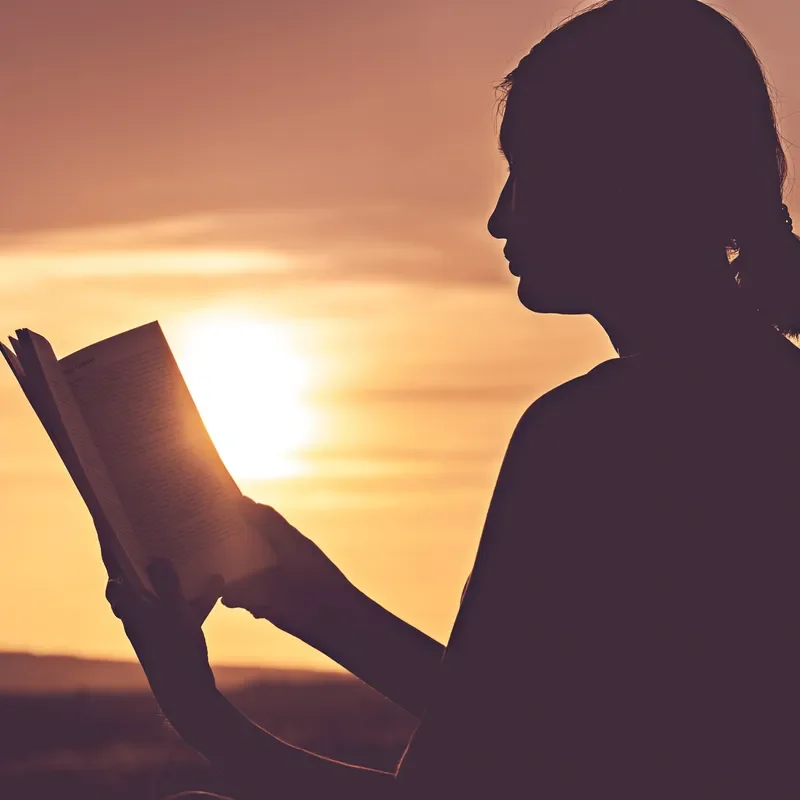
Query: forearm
[390, 655]
[258, 762]
[305, 594]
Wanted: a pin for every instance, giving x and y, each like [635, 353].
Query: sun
[250, 385]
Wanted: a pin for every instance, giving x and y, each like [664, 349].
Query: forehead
[510, 137]
[530, 112]
[543, 117]
[504, 137]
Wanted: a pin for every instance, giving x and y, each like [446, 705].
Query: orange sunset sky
[298, 191]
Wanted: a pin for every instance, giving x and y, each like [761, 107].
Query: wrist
[192, 716]
[228, 739]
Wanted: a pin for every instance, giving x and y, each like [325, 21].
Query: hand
[166, 634]
[302, 591]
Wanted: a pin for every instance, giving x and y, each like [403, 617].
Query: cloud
[117, 111]
[260, 248]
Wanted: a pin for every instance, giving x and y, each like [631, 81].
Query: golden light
[250, 385]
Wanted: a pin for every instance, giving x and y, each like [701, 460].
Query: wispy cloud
[261, 248]
[35, 267]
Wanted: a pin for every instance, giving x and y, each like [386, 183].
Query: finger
[202, 606]
[248, 502]
[110, 562]
[259, 514]
[245, 591]
[173, 603]
[165, 581]
[261, 609]
[106, 553]
[126, 603]
[271, 527]
[234, 600]
[112, 596]
[250, 510]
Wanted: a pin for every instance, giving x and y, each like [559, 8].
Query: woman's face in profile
[559, 210]
[547, 239]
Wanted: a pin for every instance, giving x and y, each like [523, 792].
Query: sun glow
[249, 384]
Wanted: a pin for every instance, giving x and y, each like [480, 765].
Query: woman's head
[642, 132]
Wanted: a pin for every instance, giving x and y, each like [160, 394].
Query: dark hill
[27, 673]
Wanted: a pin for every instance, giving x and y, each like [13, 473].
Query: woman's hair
[663, 106]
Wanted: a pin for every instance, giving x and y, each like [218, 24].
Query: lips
[509, 258]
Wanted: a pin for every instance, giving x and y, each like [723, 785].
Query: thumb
[110, 561]
[259, 515]
[239, 592]
[203, 605]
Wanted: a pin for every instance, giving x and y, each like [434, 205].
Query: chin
[543, 300]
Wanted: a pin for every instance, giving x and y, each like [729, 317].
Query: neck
[703, 308]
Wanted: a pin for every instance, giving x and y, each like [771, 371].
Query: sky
[298, 192]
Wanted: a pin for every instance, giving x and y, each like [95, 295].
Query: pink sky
[329, 166]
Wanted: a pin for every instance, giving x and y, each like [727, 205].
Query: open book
[121, 417]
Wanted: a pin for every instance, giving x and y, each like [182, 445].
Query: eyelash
[503, 155]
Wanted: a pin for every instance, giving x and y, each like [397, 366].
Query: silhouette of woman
[630, 628]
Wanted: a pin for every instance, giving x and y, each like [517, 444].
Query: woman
[630, 625]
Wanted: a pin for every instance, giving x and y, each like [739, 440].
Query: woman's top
[630, 629]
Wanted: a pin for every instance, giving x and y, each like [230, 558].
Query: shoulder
[565, 415]
[557, 459]
[564, 450]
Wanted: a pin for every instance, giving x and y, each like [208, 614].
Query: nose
[499, 220]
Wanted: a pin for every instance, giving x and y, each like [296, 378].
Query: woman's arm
[166, 634]
[260, 764]
[382, 650]
[306, 595]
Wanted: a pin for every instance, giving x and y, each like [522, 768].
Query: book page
[180, 498]
[45, 382]
[42, 403]
[38, 404]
